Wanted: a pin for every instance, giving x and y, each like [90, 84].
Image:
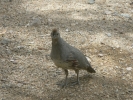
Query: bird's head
[55, 34]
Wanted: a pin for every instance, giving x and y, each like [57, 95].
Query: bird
[68, 57]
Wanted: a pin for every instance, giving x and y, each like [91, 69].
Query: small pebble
[19, 84]
[129, 68]
[100, 55]
[20, 47]
[20, 67]
[107, 12]
[31, 42]
[65, 99]
[67, 30]
[50, 20]
[108, 34]
[126, 15]
[5, 41]
[12, 60]
[130, 90]
[91, 1]
[11, 31]
[115, 14]
[35, 22]
[131, 57]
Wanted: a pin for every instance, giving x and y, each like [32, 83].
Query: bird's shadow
[72, 81]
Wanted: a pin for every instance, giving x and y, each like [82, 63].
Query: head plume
[55, 34]
[55, 30]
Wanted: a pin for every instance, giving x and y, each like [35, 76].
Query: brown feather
[55, 30]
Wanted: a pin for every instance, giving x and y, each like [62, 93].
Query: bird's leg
[66, 72]
[77, 72]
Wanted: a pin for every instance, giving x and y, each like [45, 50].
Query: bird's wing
[71, 59]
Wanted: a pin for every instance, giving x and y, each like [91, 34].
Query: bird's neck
[56, 41]
[55, 49]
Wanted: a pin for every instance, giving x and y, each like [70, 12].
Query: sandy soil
[102, 31]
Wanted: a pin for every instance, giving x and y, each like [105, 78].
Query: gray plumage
[67, 57]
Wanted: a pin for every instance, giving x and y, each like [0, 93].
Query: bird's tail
[90, 69]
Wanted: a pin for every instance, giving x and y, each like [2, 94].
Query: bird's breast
[62, 64]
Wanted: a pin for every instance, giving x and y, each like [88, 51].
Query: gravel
[98, 30]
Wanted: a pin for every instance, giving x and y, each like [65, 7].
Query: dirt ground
[102, 31]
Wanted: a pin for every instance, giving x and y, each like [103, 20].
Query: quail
[67, 57]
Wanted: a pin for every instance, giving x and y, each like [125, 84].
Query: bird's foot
[75, 83]
[64, 85]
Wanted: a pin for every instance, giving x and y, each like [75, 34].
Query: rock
[11, 31]
[116, 66]
[20, 47]
[126, 15]
[132, 46]
[50, 20]
[100, 1]
[91, 1]
[131, 3]
[67, 30]
[20, 67]
[58, 72]
[47, 57]
[121, 32]
[64, 98]
[102, 43]
[2, 50]
[117, 90]
[131, 57]
[19, 85]
[108, 34]
[5, 41]
[7, 85]
[13, 61]
[8, 51]
[121, 59]
[73, 24]
[32, 42]
[100, 55]
[107, 12]
[104, 19]
[115, 14]
[6, 17]
[77, 23]
[130, 90]
[35, 22]
[123, 78]
[41, 48]
[129, 68]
